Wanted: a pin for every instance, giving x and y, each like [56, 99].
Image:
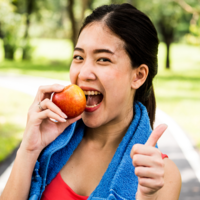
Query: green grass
[13, 111]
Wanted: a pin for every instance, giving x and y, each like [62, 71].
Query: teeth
[91, 106]
[91, 92]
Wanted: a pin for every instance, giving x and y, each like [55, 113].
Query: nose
[87, 72]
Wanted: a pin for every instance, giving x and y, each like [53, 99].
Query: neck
[109, 135]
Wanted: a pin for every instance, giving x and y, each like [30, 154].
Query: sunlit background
[37, 39]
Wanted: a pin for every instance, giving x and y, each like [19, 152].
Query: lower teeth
[91, 106]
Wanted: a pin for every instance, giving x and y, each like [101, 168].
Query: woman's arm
[18, 184]
[158, 179]
[40, 131]
[172, 183]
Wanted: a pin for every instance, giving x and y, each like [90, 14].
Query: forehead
[98, 35]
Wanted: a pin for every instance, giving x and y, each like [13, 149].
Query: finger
[156, 134]
[48, 104]
[45, 91]
[154, 184]
[142, 160]
[147, 172]
[143, 150]
[49, 114]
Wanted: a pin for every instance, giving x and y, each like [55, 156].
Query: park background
[37, 38]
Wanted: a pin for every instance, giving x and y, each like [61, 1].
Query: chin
[91, 122]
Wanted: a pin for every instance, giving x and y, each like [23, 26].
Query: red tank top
[58, 189]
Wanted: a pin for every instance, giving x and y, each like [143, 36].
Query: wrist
[23, 152]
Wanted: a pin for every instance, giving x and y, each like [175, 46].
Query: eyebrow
[95, 51]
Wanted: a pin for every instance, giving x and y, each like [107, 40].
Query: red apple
[71, 100]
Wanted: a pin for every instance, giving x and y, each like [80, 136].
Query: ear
[139, 76]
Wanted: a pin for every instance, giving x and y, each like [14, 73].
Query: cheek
[118, 85]
[114, 84]
[73, 74]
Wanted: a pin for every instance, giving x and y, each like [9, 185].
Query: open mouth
[93, 98]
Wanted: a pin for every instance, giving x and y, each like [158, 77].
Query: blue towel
[119, 180]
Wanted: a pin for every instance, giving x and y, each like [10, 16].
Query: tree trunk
[29, 7]
[73, 22]
[168, 36]
[77, 24]
[9, 49]
[168, 55]
[85, 5]
[1, 32]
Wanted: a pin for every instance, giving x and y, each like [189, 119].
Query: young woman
[109, 151]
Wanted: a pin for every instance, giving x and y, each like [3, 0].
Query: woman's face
[102, 68]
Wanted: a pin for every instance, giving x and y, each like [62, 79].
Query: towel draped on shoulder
[119, 180]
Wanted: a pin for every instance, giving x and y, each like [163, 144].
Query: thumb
[156, 134]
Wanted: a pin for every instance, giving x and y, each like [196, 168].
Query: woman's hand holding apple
[149, 166]
[40, 129]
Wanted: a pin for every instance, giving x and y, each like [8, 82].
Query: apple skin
[71, 100]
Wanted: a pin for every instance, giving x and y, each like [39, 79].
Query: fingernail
[64, 115]
[63, 120]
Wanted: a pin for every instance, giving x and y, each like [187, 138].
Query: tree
[10, 23]
[170, 20]
[26, 8]
[194, 9]
[76, 21]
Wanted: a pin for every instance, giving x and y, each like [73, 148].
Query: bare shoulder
[172, 185]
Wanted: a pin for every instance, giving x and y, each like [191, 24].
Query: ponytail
[149, 102]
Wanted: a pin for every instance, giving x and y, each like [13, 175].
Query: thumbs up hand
[149, 166]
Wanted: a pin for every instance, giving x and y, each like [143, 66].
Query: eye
[104, 60]
[78, 58]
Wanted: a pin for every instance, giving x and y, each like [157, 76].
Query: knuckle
[159, 162]
[47, 112]
[158, 151]
[162, 173]
[141, 181]
[137, 171]
[46, 101]
[160, 184]
[41, 88]
[136, 148]
[148, 170]
[135, 159]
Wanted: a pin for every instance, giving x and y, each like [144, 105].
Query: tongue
[93, 100]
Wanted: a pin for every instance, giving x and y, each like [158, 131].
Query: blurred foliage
[21, 20]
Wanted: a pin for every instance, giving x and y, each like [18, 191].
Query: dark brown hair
[141, 44]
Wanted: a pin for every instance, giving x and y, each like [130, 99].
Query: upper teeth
[91, 92]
